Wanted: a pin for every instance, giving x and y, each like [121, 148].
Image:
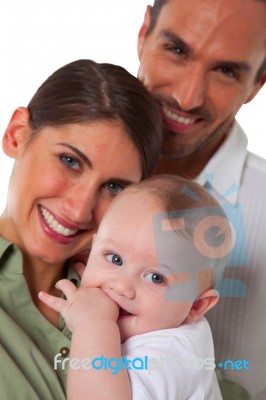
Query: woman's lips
[59, 231]
[54, 225]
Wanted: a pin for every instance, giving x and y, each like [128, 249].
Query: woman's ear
[17, 132]
[204, 303]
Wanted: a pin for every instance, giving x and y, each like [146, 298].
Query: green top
[28, 342]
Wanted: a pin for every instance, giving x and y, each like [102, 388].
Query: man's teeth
[55, 226]
[182, 120]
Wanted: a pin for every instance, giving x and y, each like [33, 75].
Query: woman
[89, 131]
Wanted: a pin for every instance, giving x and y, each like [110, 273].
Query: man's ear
[256, 88]
[17, 132]
[204, 303]
[143, 29]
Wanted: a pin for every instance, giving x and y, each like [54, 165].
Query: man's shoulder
[254, 173]
[253, 180]
[256, 163]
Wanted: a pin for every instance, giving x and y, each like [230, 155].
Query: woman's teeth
[55, 226]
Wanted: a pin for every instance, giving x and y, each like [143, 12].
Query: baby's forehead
[136, 197]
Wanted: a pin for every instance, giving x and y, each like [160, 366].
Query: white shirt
[180, 364]
[239, 324]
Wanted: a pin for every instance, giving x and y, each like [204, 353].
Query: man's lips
[180, 122]
[185, 120]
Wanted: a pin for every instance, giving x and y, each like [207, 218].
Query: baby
[159, 252]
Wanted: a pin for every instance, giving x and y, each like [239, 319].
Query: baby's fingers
[67, 287]
[56, 303]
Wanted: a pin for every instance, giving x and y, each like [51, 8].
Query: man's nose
[190, 89]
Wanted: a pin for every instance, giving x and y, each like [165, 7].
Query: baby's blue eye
[154, 277]
[114, 259]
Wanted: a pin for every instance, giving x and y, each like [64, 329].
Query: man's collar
[224, 170]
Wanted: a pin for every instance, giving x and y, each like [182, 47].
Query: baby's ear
[17, 132]
[204, 303]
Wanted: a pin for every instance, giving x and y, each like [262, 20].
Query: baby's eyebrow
[173, 224]
[166, 269]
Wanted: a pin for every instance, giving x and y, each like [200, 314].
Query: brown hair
[87, 91]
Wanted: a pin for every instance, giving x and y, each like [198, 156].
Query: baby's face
[123, 263]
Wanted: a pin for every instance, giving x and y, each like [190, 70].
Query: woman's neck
[42, 276]
[39, 275]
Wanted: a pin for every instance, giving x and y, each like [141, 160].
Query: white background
[37, 37]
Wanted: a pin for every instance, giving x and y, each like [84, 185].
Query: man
[202, 60]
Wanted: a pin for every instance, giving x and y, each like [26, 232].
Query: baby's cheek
[90, 278]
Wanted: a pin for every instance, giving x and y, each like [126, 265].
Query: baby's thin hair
[181, 197]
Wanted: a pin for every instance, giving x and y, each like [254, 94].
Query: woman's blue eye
[70, 162]
[154, 277]
[114, 188]
[114, 259]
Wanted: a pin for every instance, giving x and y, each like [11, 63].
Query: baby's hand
[82, 305]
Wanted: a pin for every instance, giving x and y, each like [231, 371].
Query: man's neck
[183, 168]
[191, 166]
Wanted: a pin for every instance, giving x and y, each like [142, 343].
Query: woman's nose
[79, 205]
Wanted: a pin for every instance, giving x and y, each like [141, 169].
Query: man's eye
[176, 50]
[69, 161]
[227, 72]
[114, 188]
[114, 259]
[156, 278]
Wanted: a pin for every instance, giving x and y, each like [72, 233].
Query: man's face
[200, 63]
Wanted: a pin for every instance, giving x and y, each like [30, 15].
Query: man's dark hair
[155, 12]
[261, 71]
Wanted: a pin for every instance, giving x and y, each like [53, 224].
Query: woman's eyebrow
[78, 153]
[124, 182]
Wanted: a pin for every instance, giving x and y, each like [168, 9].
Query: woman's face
[62, 182]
